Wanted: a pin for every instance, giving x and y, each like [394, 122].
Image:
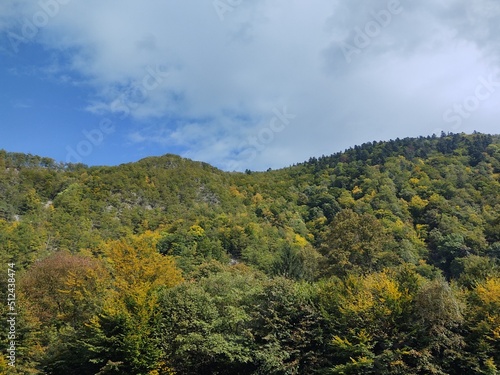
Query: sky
[242, 84]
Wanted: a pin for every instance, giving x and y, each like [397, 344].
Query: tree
[355, 243]
[73, 291]
[483, 322]
[122, 333]
[366, 318]
[204, 327]
[72, 288]
[473, 270]
[289, 263]
[439, 315]
[288, 329]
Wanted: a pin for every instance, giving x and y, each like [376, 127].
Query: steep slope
[383, 259]
[432, 195]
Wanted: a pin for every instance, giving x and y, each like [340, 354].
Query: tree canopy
[382, 259]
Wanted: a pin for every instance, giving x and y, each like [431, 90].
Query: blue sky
[241, 84]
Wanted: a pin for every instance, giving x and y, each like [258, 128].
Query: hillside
[382, 259]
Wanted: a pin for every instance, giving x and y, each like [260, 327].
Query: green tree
[288, 329]
[483, 323]
[204, 327]
[355, 243]
[439, 316]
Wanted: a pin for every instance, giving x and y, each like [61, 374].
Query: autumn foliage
[382, 259]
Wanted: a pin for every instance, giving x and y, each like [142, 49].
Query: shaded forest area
[383, 259]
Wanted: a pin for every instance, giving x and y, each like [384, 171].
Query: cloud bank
[209, 77]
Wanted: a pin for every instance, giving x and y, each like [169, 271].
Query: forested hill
[382, 259]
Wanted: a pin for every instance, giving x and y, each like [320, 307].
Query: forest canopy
[382, 259]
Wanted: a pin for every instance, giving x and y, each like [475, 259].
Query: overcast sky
[241, 83]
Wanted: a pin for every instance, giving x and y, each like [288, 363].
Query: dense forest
[382, 259]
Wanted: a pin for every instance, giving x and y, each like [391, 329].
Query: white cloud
[267, 54]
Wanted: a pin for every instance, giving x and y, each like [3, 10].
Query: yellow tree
[123, 331]
[137, 268]
[483, 318]
[365, 315]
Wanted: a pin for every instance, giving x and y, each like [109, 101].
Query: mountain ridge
[28, 159]
[382, 259]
